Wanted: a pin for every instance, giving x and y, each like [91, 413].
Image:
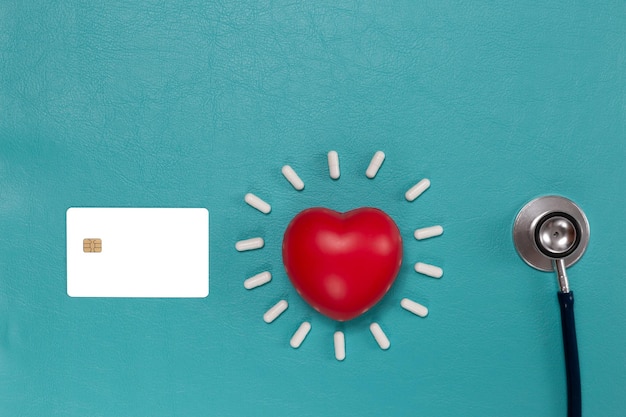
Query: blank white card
[138, 252]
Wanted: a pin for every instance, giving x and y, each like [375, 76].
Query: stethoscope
[551, 233]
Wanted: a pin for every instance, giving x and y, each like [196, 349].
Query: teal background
[194, 103]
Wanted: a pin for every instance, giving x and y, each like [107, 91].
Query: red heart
[342, 264]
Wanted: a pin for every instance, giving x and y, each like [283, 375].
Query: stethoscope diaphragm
[549, 228]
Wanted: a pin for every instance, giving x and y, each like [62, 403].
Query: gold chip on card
[92, 245]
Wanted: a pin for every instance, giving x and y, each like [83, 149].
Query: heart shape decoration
[342, 264]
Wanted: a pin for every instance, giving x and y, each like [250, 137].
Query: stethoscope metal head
[551, 233]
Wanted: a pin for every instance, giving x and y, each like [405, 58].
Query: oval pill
[428, 232]
[375, 163]
[292, 177]
[417, 189]
[430, 270]
[257, 203]
[340, 346]
[380, 336]
[273, 313]
[333, 165]
[300, 335]
[257, 280]
[413, 307]
[250, 244]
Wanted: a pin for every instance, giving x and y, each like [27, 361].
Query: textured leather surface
[194, 103]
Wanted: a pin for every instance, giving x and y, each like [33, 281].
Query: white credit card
[138, 252]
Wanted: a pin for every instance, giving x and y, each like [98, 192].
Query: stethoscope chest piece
[551, 228]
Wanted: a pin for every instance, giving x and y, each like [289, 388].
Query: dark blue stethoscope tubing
[570, 347]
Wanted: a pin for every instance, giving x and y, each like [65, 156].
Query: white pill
[380, 336]
[428, 232]
[257, 203]
[430, 270]
[375, 163]
[250, 244]
[257, 280]
[300, 334]
[340, 346]
[292, 177]
[413, 307]
[333, 164]
[417, 189]
[273, 313]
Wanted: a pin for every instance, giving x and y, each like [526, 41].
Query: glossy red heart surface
[342, 264]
